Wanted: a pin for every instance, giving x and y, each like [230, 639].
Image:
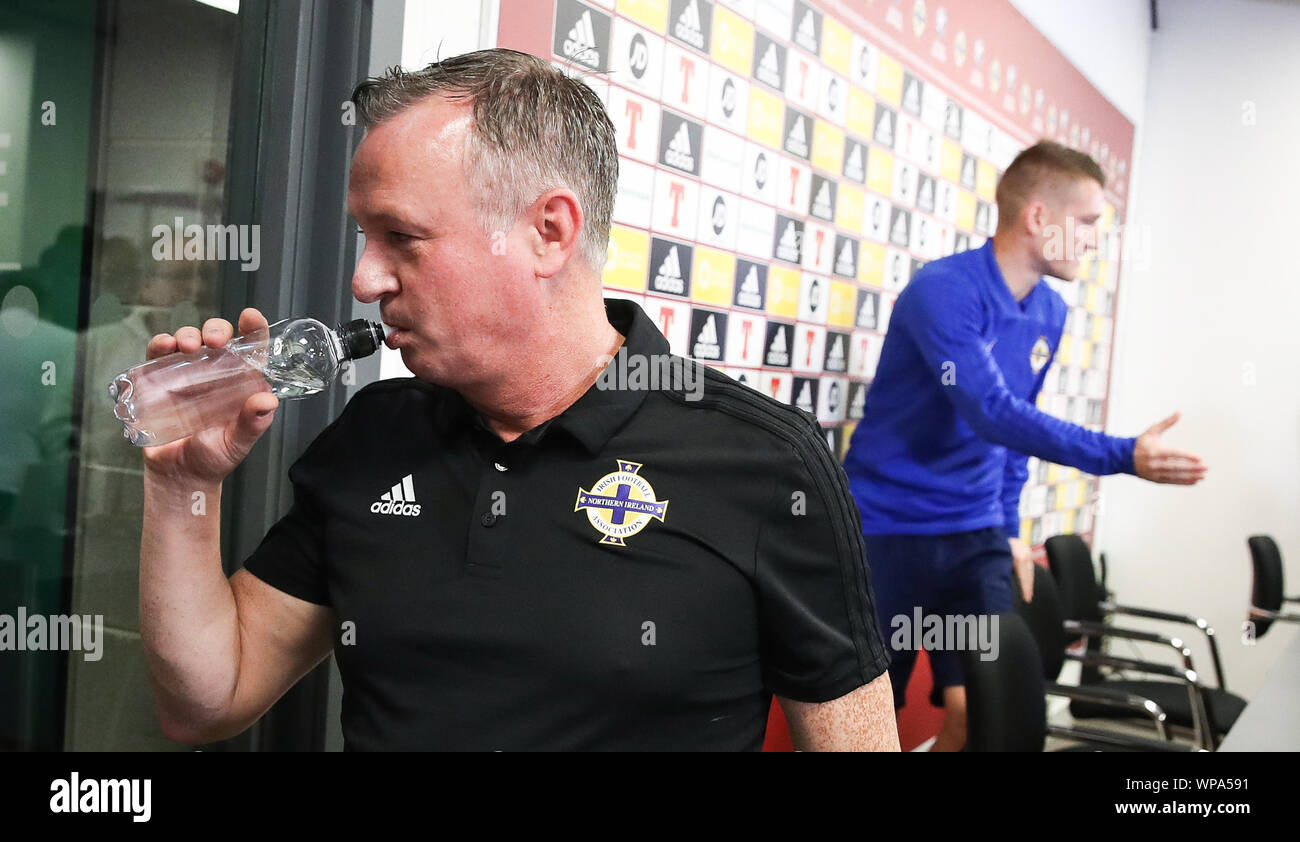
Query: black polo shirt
[642, 571]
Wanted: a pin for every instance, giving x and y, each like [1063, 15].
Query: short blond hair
[1045, 166]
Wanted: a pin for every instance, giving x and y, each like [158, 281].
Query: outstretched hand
[1158, 462]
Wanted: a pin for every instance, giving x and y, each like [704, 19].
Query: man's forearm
[188, 617]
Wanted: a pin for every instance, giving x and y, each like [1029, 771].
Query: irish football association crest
[1040, 354]
[620, 504]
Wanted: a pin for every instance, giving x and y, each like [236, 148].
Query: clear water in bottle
[203, 389]
[178, 395]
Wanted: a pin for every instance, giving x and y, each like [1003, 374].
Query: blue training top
[951, 413]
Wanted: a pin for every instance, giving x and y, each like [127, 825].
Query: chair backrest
[1071, 563]
[1044, 616]
[1006, 709]
[1267, 588]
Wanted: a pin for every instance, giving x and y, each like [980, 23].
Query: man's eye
[394, 237]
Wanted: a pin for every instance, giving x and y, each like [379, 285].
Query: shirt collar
[1000, 290]
[593, 419]
[599, 413]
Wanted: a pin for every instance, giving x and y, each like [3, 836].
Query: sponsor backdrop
[787, 166]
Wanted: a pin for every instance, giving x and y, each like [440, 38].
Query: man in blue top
[939, 459]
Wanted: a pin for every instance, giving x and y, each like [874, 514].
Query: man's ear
[1034, 216]
[555, 226]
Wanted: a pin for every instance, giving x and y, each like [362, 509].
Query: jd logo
[638, 55]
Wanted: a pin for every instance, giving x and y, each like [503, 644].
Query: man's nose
[372, 279]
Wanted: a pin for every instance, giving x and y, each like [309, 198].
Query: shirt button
[488, 519]
[499, 466]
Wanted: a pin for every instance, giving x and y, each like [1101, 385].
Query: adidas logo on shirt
[398, 500]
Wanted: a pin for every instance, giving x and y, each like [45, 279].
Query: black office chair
[1045, 618]
[1006, 706]
[1266, 591]
[1217, 709]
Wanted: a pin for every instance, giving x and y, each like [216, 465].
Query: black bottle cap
[360, 338]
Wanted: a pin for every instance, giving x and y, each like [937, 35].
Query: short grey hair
[535, 128]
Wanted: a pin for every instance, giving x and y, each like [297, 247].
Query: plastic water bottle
[178, 395]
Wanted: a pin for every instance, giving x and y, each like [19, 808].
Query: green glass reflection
[47, 53]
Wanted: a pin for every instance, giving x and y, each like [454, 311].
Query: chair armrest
[1099, 630]
[1170, 617]
[1265, 614]
[1151, 614]
[1195, 690]
[1114, 698]
[1164, 670]
[1117, 740]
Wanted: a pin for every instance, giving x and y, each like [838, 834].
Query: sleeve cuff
[1126, 465]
